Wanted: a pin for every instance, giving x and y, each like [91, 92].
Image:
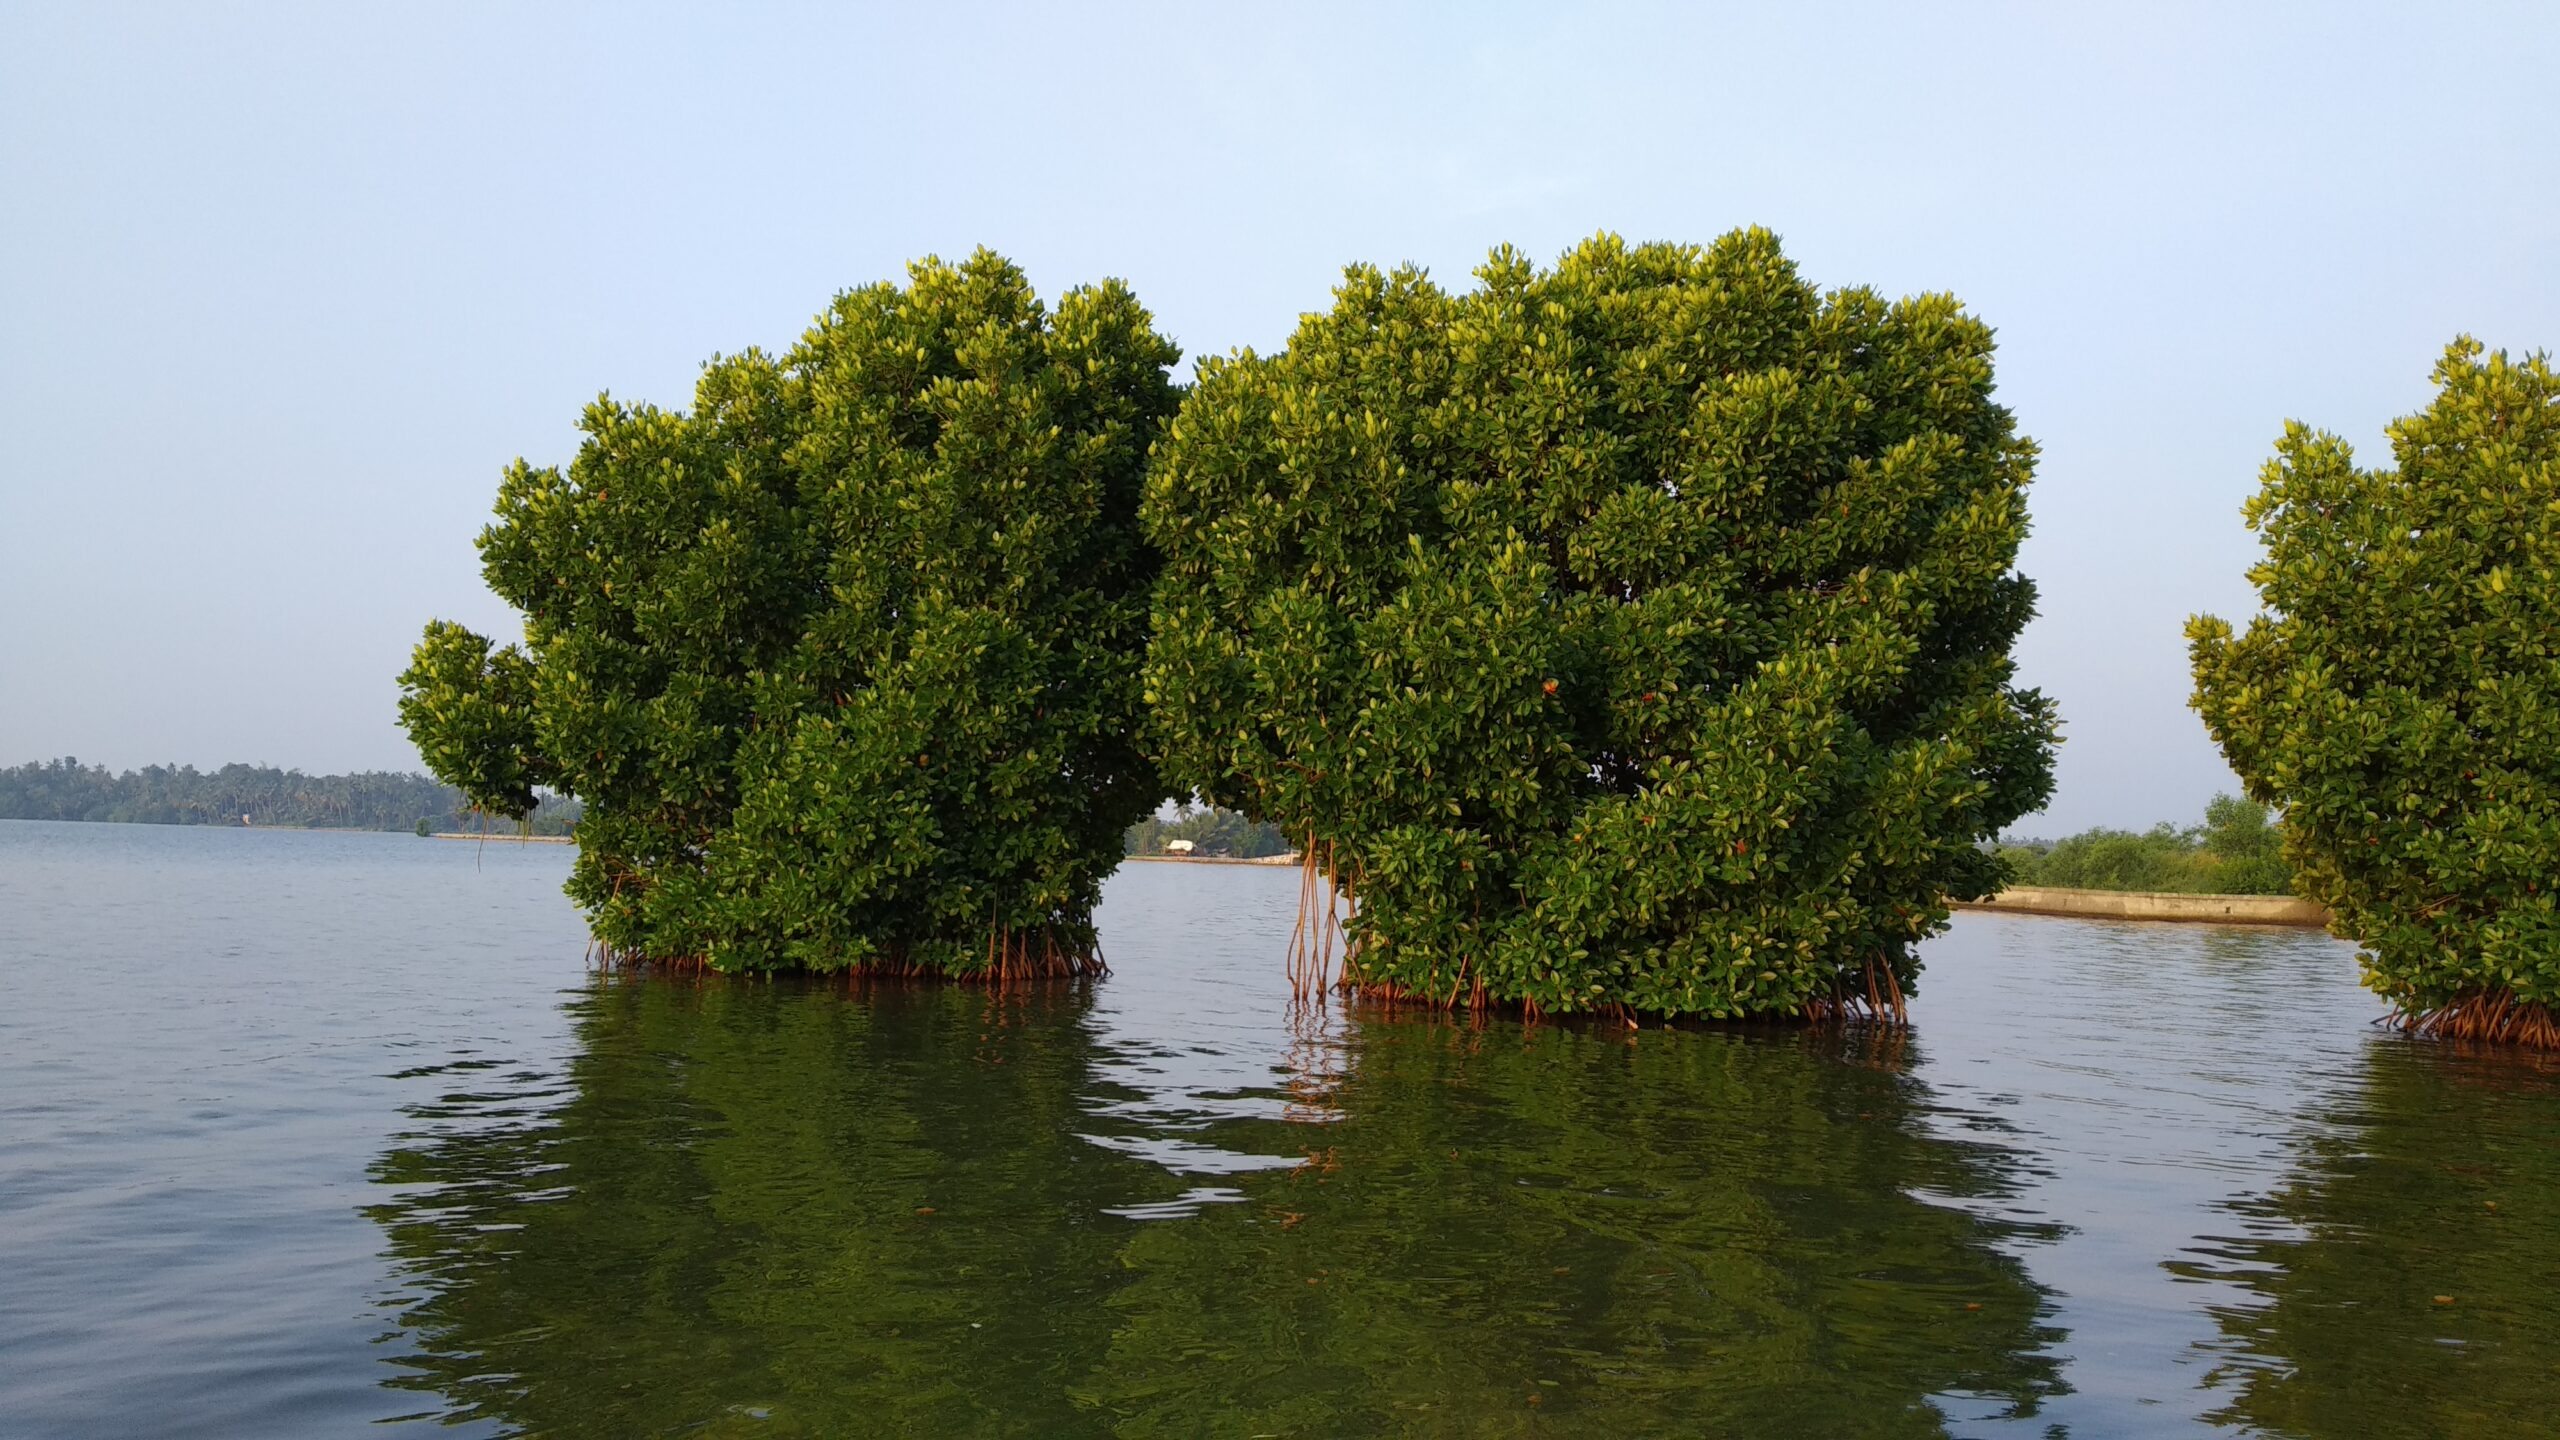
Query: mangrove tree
[2400, 695]
[843, 661]
[1627, 636]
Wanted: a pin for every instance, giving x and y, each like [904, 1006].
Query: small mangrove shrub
[1630, 636]
[2399, 696]
[844, 661]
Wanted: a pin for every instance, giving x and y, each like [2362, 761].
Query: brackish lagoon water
[301, 1133]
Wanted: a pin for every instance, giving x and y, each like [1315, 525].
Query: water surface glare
[301, 1133]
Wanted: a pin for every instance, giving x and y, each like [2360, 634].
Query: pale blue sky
[281, 288]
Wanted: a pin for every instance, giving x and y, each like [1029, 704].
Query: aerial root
[603, 955]
[1881, 1005]
[1474, 1001]
[1021, 957]
[1322, 935]
[2492, 1016]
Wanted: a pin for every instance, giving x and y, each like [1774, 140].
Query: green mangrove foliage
[2400, 696]
[1630, 635]
[844, 661]
[2237, 851]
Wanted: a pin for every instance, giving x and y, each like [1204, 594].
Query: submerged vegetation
[2237, 851]
[2400, 696]
[843, 661]
[1631, 636]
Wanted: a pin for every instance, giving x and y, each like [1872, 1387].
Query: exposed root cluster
[1012, 957]
[1322, 934]
[1018, 955]
[2495, 1016]
[1468, 994]
[1882, 1004]
[604, 956]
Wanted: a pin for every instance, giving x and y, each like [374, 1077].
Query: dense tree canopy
[1631, 634]
[844, 660]
[2400, 696]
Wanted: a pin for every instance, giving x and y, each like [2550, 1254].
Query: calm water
[304, 1132]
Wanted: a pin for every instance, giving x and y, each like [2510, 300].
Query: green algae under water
[299, 1132]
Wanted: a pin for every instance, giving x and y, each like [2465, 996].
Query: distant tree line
[65, 789]
[2238, 850]
[1213, 830]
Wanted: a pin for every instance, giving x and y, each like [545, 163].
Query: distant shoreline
[2154, 905]
[401, 830]
[1288, 859]
[503, 837]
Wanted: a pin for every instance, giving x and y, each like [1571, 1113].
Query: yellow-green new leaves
[471, 712]
[1633, 633]
[2400, 697]
[844, 660]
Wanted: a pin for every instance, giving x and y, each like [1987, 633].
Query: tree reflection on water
[2403, 1278]
[774, 1210]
